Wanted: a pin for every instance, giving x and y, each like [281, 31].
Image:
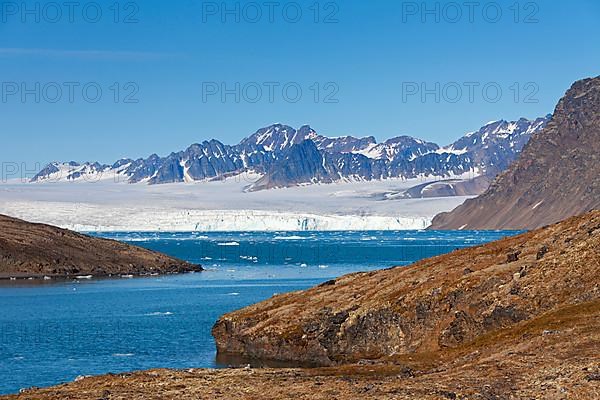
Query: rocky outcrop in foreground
[36, 250]
[556, 176]
[515, 319]
[435, 305]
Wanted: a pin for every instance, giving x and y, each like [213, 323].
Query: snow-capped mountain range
[286, 157]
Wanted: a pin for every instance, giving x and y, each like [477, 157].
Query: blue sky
[369, 57]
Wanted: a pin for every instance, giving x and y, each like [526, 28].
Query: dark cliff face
[438, 304]
[37, 250]
[302, 163]
[270, 151]
[556, 176]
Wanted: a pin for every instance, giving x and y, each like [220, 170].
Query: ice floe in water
[366, 239]
[290, 238]
[158, 313]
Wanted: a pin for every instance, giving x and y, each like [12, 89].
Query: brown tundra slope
[514, 319]
[37, 250]
[556, 176]
[434, 305]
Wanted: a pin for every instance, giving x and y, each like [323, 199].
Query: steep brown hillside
[36, 250]
[556, 176]
[440, 303]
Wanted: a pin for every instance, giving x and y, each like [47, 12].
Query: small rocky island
[41, 251]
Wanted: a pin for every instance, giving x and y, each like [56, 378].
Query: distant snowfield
[221, 206]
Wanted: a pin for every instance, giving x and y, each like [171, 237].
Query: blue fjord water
[52, 332]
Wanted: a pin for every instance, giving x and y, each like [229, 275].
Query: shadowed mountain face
[283, 156]
[36, 250]
[437, 305]
[301, 163]
[556, 176]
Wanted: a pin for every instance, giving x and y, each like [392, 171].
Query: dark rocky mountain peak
[485, 152]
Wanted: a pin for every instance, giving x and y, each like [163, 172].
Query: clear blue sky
[373, 50]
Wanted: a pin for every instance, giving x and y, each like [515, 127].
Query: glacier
[223, 221]
[221, 206]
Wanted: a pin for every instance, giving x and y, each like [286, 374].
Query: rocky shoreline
[552, 357]
[37, 251]
[70, 277]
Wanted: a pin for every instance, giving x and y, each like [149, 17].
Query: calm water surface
[52, 332]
